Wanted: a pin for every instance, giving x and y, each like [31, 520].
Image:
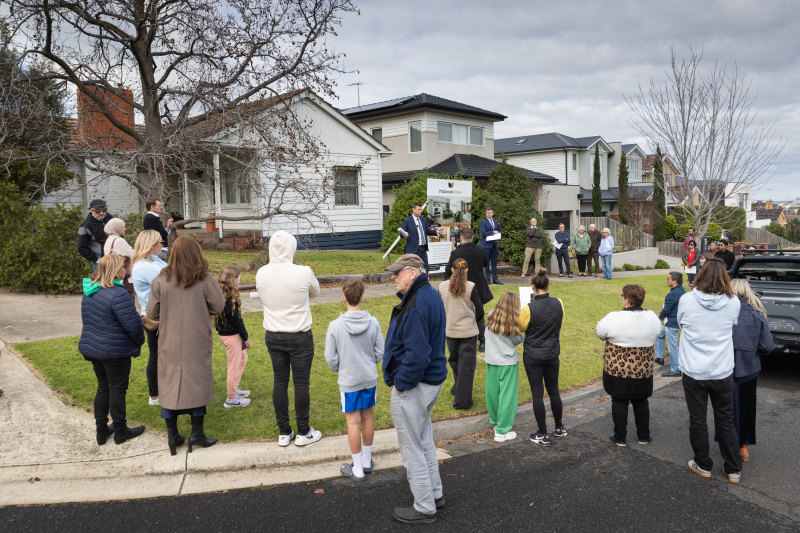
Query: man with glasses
[669, 330]
[415, 367]
[725, 254]
[91, 234]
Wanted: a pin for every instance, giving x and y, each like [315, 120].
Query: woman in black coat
[112, 333]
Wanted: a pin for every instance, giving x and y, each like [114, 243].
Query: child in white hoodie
[353, 347]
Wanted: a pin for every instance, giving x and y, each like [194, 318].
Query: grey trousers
[411, 415]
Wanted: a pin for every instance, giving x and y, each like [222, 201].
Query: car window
[777, 270]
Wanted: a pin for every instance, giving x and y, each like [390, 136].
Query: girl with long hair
[233, 335]
[751, 341]
[502, 366]
[541, 320]
[463, 309]
[146, 266]
[111, 335]
[182, 298]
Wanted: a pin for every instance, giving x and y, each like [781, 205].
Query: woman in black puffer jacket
[112, 333]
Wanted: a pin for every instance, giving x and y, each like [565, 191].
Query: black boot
[174, 439]
[198, 436]
[104, 430]
[123, 432]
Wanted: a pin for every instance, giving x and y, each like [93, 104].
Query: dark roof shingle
[409, 103]
[541, 142]
[467, 165]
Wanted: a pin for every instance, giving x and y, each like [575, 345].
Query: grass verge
[65, 370]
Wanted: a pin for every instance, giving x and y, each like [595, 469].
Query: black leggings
[112, 386]
[152, 362]
[546, 371]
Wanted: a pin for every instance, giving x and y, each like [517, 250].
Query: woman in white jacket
[605, 251]
[706, 317]
[630, 335]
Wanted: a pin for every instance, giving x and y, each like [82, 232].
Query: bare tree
[707, 122]
[210, 81]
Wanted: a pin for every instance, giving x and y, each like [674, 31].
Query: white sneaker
[153, 401]
[236, 402]
[502, 437]
[242, 393]
[284, 440]
[312, 436]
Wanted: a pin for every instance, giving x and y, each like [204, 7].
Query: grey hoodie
[353, 346]
[706, 322]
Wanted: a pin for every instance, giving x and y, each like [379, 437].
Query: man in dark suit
[489, 226]
[476, 259]
[415, 230]
[152, 220]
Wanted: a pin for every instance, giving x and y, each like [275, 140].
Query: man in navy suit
[416, 230]
[489, 226]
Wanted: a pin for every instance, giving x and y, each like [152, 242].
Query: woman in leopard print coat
[628, 362]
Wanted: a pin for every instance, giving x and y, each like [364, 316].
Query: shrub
[775, 229]
[134, 223]
[714, 232]
[671, 227]
[660, 264]
[44, 257]
[225, 246]
[209, 245]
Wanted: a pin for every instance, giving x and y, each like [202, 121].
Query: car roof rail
[776, 251]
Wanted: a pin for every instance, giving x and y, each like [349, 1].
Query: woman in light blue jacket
[605, 251]
[706, 317]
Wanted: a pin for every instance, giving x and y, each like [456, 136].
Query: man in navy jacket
[489, 226]
[415, 367]
[415, 230]
[671, 327]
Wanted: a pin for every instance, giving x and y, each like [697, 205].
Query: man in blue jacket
[670, 328]
[489, 227]
[415, 367]
[415, 230]
[563, 239]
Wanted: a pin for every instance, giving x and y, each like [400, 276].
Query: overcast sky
[565, 66]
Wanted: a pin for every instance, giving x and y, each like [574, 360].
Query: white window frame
[226, 181]
[469, 133]
[357, 187]
[410, 125]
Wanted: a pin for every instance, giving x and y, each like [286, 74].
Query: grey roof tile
[409, 103]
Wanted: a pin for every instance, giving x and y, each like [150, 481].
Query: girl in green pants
[502, 374]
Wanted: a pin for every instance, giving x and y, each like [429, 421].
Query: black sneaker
[660, 361]
[648, 440]
[614, 440]
[671, 374]
[439, 502]
[560, 432]
[543, 439]
[409, 515]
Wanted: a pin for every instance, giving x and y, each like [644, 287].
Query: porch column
[217, 193]
[185, 194]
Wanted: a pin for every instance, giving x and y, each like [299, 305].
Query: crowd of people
[715, 335]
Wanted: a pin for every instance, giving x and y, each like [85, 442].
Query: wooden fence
[625, 236]
[759, 235]
[672, 249]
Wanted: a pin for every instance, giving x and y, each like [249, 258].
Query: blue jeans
[491, 254]
[563, 254]
[671, 335]
[606, 259]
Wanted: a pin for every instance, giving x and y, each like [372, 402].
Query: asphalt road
[582, 483]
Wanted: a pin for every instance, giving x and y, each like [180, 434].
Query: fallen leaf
[319, 491]
[603, 472]
[572, 462]
[531, 505]
[561, 449]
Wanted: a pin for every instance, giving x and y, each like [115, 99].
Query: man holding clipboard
[490, 236]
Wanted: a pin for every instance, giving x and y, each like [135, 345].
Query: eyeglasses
[690, 244]
[99, 209]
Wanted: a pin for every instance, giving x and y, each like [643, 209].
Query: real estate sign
[450, 207]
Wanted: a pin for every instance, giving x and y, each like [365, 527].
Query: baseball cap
[97, 203]
[406, 260]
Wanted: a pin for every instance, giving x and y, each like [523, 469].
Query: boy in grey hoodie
[353, 346]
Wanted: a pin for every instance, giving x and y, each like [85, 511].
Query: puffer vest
[542, 341]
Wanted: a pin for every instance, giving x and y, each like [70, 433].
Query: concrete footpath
[49, 453]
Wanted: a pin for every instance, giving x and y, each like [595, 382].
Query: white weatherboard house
[352, 156]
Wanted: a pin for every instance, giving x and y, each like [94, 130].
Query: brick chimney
[95, 130]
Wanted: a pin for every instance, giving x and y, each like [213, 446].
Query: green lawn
[323, 263]
[65, 370]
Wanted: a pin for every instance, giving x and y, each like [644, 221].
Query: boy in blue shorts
[353, 346]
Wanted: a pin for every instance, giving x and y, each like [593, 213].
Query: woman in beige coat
[182, 298]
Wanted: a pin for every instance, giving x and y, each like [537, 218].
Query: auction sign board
[449, 208]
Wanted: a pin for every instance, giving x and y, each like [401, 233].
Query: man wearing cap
[415, 367]
[725, 254]
[91, 234]
[415, 230]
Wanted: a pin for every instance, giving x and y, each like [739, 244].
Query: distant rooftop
[541, 142]
[422, 100]
[466, 165]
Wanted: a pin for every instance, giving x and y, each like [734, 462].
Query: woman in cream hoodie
[285, 290]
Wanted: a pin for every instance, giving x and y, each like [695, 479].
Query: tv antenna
[358, 85]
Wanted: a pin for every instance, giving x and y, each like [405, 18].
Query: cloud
[565, 66]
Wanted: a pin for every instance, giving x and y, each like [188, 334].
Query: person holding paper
[490, 228]
[562, 242]
[415, 230]
[692, 259]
